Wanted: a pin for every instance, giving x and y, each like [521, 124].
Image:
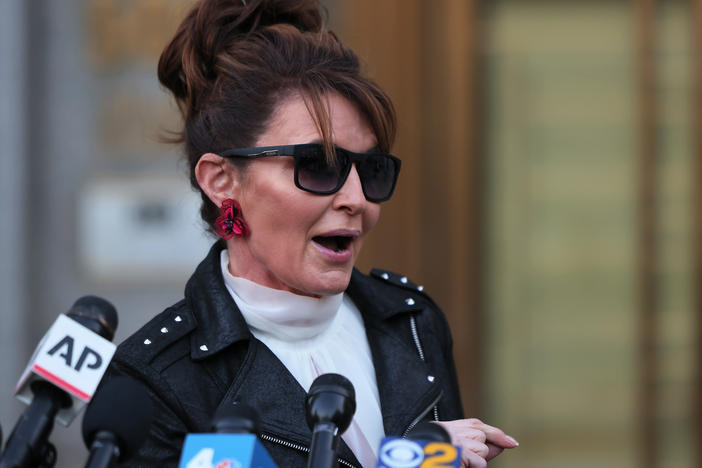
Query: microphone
[116, 422]
[330, 405]
[430, 432]
[238, 418]
[427, 444]
[60, 379]
[234, 442]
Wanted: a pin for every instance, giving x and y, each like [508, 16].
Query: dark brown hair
[231, 61]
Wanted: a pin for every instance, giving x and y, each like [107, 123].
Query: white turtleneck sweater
[313, 336]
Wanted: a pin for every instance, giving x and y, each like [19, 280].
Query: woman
[288, 145]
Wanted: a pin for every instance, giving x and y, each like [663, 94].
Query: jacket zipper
[300, 448]
[420, 351]
[423, 413]
[415, 337]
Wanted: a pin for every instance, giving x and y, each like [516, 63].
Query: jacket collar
[406, 386]
[373, 293]
[219, 322]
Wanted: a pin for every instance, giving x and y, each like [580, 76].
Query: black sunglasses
[313, 173]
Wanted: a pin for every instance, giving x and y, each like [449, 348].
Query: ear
[216, 178]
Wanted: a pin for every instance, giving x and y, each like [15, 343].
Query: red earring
[231, 223]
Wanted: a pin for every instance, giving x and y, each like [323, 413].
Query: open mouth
[335, 243]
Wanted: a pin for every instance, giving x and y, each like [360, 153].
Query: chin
[330, 283]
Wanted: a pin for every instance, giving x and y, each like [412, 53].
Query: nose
[350, 196]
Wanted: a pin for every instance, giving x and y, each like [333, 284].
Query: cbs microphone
[60, 379]
[116, 422]
[330, 405]
[234, 443]
[427, 445]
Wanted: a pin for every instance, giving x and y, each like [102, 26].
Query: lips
[336, 244]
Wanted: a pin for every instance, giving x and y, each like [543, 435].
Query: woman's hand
[479, 442]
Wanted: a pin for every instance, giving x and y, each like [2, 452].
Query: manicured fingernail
[513, 440]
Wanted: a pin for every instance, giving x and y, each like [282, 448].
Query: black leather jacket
[199, 354]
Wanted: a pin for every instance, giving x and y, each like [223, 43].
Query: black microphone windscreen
[333, 383]
[122, 407]
[430, 432]
[95, 314]
[237, 418]
[331, 399]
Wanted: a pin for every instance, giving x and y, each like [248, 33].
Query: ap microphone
[427, 444]
[330, 405]
[95, 314]
[234, 444]
[60, 379]
[116, 422]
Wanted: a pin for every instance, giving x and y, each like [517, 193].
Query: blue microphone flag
[224, 451]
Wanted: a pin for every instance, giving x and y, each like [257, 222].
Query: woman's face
[300, 241]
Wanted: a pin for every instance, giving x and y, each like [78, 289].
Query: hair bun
[189, 61]
[305, 15]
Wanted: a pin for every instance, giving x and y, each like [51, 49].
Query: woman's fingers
[478, 448]
[472, 460]
[494, 435]
[479, 442]
[493, 451]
